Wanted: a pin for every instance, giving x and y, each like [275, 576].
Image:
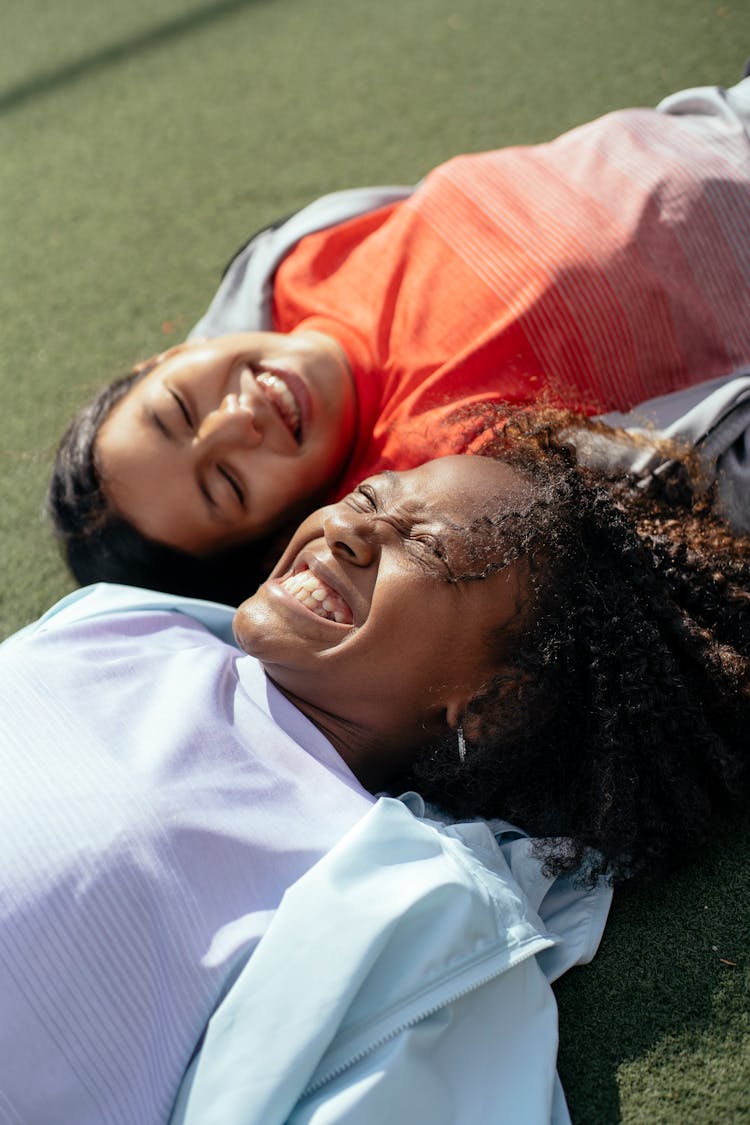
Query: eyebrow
[155, 420]
[390, 485]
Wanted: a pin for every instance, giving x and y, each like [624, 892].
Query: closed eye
[430, 543]
[183, 407]
[362, 499]
[430, 552]
[238, 491]
[428, 549]
[368, 492]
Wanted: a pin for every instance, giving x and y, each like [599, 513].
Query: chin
[247, 626]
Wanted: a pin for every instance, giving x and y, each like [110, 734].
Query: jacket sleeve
[242, 302]
[398, 981]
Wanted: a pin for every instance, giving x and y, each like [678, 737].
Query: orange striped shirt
[598, 270]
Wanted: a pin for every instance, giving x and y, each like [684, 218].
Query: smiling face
[224, 439]
[368, 622]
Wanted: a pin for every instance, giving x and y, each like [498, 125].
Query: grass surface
[142, 142]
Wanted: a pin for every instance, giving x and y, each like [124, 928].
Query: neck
[373, 760]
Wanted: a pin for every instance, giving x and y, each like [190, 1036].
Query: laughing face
[224, 439]
[370, 623]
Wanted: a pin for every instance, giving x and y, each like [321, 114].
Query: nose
[351, 536]
[232, 423]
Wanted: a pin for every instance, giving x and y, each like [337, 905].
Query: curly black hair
[622, 728]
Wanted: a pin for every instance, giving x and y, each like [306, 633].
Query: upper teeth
[282, 397]
[318, 597]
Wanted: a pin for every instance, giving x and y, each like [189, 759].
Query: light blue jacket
[402, 980]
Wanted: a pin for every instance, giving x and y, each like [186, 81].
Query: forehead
[461, 486]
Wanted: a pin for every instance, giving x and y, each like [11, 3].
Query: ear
[505, 706]
[463, 699]
[455, 710]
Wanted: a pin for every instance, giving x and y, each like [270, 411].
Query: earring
[461, 744]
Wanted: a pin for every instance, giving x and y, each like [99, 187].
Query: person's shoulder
[107, 600]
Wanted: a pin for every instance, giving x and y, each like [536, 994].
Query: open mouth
[276, 388]
[315, 595]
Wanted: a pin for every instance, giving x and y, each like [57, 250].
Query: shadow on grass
[154, 37]
[662, 964]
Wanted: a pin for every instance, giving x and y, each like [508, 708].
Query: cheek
[408, 656]
[328, 449]
[429, 647]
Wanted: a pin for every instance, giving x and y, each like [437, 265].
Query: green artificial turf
[142, 142]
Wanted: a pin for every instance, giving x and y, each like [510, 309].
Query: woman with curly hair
[509, 632]
[630, 689]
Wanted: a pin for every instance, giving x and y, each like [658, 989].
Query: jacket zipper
[535, 946]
